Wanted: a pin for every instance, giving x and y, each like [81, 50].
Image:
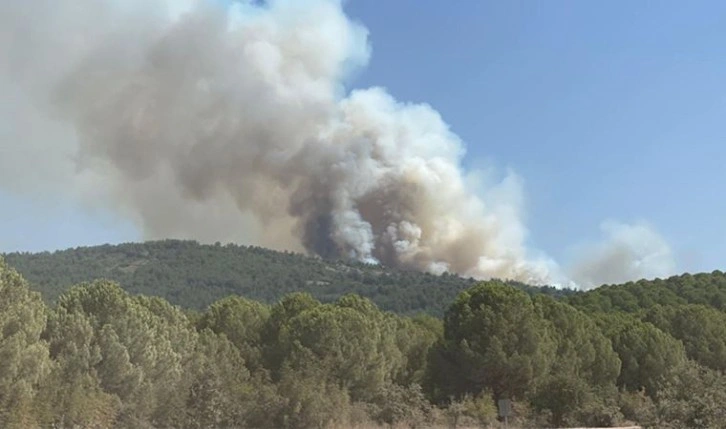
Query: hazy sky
[606, 110]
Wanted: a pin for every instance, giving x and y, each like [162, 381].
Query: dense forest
[97, 356]
[192, 275]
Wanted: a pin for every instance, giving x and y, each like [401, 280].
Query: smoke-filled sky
[564, 144]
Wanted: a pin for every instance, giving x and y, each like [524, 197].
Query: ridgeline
[193, 275]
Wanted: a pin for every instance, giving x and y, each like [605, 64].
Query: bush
[470, 410]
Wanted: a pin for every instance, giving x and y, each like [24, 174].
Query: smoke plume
[626, 252]
[232, 122]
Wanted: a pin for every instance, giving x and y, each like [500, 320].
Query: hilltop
[195, 275]
[707, 289]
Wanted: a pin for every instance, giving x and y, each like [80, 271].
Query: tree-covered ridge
[103, 358]
[704, 288]
[193, 275]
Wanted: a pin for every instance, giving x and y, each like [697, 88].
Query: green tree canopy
[350, 347]
[582, 349]
[242, 321]
[701, 329]
[142, 350]
[649, 356]
[498, 339]
[24, 357]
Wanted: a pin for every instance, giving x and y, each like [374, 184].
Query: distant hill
[707, 289]
[193, 275]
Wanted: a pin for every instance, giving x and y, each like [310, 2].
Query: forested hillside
[100, 357]
[193, 275]
[706, 289]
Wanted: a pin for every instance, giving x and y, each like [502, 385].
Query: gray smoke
[626, 252]
[233, 123]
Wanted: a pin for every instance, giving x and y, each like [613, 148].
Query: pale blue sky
[607, 110]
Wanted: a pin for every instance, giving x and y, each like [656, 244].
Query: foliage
[498, 340]
[24, 360]
[242, 322]
[192, 275]
[582, 349]
[103, 358]
[472, 410]
[694, 399]
[396, 404]
[649, 356]
[701, 329]
[705, 289]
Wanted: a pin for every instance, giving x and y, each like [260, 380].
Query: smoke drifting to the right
[233, 123]
[626, 252]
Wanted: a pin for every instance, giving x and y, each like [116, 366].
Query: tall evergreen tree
[24, 357]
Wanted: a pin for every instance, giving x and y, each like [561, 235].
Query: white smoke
[626, 252]
[232, 123]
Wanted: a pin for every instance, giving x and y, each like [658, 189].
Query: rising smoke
[233, 123]
[627, 252]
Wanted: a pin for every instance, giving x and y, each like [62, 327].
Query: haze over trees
[96, 355]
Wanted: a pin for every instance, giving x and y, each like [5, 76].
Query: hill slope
[707, 289]
[193, 275]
